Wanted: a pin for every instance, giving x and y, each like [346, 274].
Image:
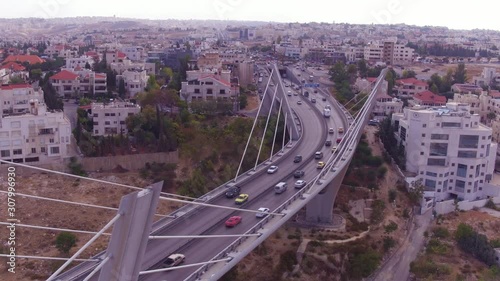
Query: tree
[16, 80]
[460, 74]
[87, 65]
[409, 74]
[121, 89]
[65, 241]
[416, 192]
[363, 68]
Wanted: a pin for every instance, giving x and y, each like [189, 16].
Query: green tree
[243, 99]
[152, 84]
[36, 74]
[390, 77]
[16, 80]
[409, 74]
[362, 262]
[460, 74]
[363, 68]
[65, 241]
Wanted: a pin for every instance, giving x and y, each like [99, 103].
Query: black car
[323, 99]
[297, 159]
[298, 174]
[233, 192]
[328, 143]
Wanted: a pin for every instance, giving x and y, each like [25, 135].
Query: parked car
[173, 260]
[242, 198]
[328, 143]
[233, 221]
[320, 165]
[272, 169]
[233, 192]
[297, 159]
[262, 212]
[300, 184]
[298, 174]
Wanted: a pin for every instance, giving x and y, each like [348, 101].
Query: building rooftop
[114, 104]
[64, 75]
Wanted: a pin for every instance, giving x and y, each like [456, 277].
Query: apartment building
[72, 83]
[114, 57]
[388, 52]
[385, 106]
[127, 64]
[135, 81]
[134, 53]
[15, 99]
[79, 62]
[488, 77]
[448, 149]
[109, 118]
[39, 136]
[427, 98]
[207, 85]
[409, 86]
[466, 88]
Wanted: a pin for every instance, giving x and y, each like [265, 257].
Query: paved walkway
[397, 267]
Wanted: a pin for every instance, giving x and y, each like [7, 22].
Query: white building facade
[448, 149]
[109, 119]
[15, 99]
[135, 81]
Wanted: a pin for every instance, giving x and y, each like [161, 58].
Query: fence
[448, 206]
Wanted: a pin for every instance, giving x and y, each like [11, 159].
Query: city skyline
[421, 13]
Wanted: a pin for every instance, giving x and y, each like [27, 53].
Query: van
[280, 187]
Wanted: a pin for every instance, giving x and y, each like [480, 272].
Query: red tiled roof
[412, 80]
[101, 76]
[495, 94]
[429, 97]
[64, 75]
[13, 65]
[14, 86]
[121, 55]
[31, 59]
[214, 78]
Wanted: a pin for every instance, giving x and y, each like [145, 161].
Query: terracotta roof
[13, 65]
[101, 76]
[121, 55]
[412, 80]
[14, 86]
[31, 59]
[64, 75]
[214, 78]
[494, 94]
[430, 97]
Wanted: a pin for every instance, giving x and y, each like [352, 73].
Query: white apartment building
[35, 137]
[448, 149]
[134, 53]
[410, 86]
[135, 81]
[74, 83]
[15, 99]
[109, 119]
[127, 64]
[206, 85]
[79, 62]
[388, 52]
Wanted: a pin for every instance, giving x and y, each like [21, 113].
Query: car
[315, 91]
[323, 98]
[331, 131]
[320, 165]
[262, 212]
[339, 140]
[233, 221]
[334, 149]
[299, 102]
[298, 174]
[233, 192]
[318, 155]
[272, 169]
[173, 260]
[341, 130]
[328, 143]
[297, 159]
[313, 100]
[271, 84]
[300, 184]
[242, 198]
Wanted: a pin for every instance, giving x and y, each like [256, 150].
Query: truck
[327, 112]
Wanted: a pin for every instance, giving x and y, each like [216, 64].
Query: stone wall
[129, 162]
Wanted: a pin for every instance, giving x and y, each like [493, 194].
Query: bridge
[308, 130]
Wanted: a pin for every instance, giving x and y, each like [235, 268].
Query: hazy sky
[481, 14]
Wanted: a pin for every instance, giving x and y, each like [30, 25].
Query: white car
[262, 212]
[331, 131]
[300, 184]
[299, 102]
[173, 260]
[272, 169]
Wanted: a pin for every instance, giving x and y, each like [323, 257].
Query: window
[196, 91]
[436, 162]
[222, 92]
[438, 149]
[5, 153]
[439, 136]
[33, 150]
[51, 140]
[462, 170]
[459, 186]
[467, 154]
[468, 141]
[451, 125]
[402, 134]
[112, 114]
[430, 183]
[96, 115]
[54, 150]
[42, 149]
[210, 91]
[17, 151]
[107, 123]
[106, 114]
[15, 124]
[431, 174]
[96, 123]
[122, 122]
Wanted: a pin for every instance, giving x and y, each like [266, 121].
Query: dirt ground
[59, 215]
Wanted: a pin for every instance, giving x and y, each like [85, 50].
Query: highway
[260, 187]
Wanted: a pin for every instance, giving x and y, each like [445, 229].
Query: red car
[339, 140]
[233, 221]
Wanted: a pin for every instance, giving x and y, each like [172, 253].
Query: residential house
[427, 98]
[409, 86]
[135, 81]
[15, 99]
[71, 83]
[109, 118]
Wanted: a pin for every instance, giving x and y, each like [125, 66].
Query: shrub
[65, 241]
[440, 232]
[491, 205]
[381, 171]
[377, 215]
[436, 247]
[426, 268]
[392, 195]
[389, 243]
[392, 226]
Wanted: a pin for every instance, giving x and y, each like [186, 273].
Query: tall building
[389, 52]
[448, 149]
